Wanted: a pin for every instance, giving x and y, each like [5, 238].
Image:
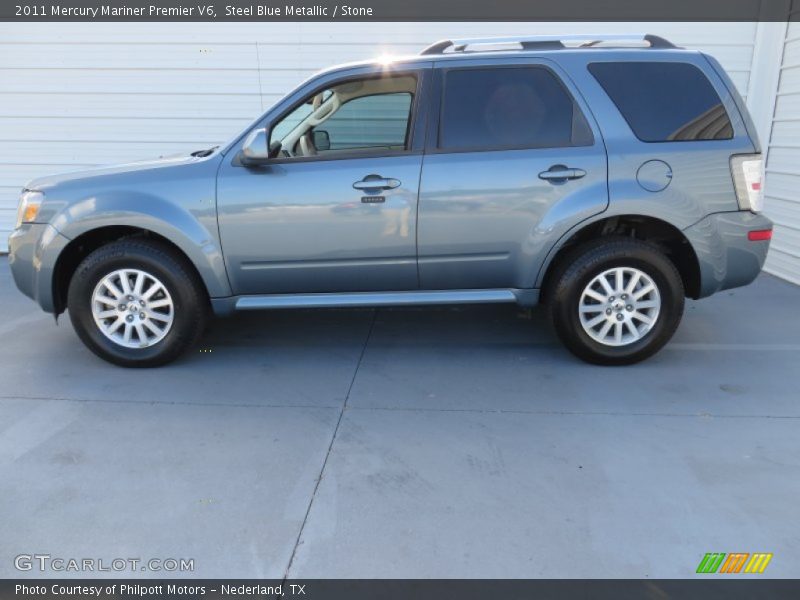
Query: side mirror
[255, 147]
[321, 139]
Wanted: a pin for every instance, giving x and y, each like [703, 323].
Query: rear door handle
[558, 173]
[376, 182]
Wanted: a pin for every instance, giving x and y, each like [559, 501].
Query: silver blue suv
[607, 178]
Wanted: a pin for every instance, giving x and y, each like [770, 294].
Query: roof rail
[556, 42]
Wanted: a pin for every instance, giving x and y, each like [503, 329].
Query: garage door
[74, 95]
[782, 185]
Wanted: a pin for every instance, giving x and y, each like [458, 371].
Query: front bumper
[726, 257]
[33, 250]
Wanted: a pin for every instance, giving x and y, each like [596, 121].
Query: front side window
[665, 101]
[369, 116]
[509, 107]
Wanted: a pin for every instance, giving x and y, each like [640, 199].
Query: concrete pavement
[436, 442]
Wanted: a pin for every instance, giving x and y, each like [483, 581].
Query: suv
[607, 178]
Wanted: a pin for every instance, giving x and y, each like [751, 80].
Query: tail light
[747, 177]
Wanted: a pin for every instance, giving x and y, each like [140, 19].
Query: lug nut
[130, 297]
[129, 318]
[619, 317]
[122, 307]
[624, 296]
[611, 299]
[141, 315]
[608, 311]
[141, 302]
[629, 307]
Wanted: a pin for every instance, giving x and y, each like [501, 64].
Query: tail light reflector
[759, 235]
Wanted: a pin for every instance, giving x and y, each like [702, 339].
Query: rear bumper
[727, 258]
[32, 253]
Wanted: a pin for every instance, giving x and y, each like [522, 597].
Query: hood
[49, 181]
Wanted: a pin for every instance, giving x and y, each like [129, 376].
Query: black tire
[189, 299]
[586, 262]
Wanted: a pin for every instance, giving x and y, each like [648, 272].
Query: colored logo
[735, 562]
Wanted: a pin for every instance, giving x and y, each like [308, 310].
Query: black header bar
[399, 10]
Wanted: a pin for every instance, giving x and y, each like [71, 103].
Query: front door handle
[376, 182]
[558, 173]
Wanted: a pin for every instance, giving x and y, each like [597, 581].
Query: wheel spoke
[157, 316]
[160, 303]
[643, 291]
[633, 282]
[596, 321]
[126, 337]
[115, 325]
[591, 308]
[634, 332]
[107, 314]
[140, 334]
[605, 329]
[595, 295]
[137, 286]
[642, 317]
[604, 282]
[153, 327]
[647, 304]
[150, 291]
[111, 287]
[618, 332]
[106, 300]
[125, 283]
[620, 277]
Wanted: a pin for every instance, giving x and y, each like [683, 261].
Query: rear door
[515, 154]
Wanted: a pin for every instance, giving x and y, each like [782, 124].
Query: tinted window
[665, 101]
[370, 121]
[367, 116]
[509, 108]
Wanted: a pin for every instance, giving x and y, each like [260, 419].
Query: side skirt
[226, 306]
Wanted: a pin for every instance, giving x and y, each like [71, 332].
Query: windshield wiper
[207, 152]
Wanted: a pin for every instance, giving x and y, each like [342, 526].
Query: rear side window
[665, 101]
[503, 108]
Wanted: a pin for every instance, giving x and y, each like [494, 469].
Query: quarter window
[509, 107]
[665, 101]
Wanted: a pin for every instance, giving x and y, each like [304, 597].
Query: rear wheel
[616, 301]
[136, 303]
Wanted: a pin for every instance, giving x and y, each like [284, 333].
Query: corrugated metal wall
[79, 94]
[782, 186]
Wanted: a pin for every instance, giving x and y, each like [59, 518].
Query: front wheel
[616, 301]
[136, 303]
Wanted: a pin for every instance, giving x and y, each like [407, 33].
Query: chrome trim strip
[375, 299]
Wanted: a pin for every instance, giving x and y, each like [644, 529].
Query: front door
[335, 211]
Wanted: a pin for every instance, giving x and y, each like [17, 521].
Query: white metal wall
[79, 94]
[782, 186]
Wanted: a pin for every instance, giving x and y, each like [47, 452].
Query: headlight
[29, 204]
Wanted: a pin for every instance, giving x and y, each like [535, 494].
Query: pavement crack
[568, 413]
[330, 446]
[164, 402]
